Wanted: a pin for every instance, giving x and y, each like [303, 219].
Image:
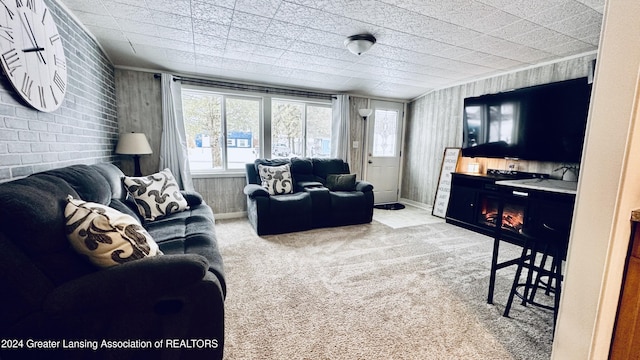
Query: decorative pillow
[341, 182]
[276, 179]
[105, 235]
[156, 195]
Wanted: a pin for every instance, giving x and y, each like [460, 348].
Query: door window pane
[384, 133]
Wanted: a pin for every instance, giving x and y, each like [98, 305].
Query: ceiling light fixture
[359, 44]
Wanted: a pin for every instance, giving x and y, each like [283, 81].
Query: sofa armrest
[253, 191]
[115, 288]
[193, 198]
[364, 186]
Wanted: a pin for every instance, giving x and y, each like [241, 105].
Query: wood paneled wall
[139, 99]
[357, 134]
[224, 194]
[434, 121]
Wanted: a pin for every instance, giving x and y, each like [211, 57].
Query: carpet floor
[372, 292]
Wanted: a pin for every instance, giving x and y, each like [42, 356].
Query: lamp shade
[133, 144]
[359, 44]
[365, 112]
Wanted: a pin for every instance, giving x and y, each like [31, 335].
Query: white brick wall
[83, 130]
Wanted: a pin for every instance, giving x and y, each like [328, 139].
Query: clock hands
[32, 38]
[33, 50]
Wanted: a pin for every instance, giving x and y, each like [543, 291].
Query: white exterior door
[384, 144]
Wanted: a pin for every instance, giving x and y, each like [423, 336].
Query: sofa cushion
[90, 184]
[156, 195]
[341, 182]
[302, 170]
[276, 179]
[106, 236]
[323, 167]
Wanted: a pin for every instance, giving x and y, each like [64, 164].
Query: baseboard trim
[417, 204]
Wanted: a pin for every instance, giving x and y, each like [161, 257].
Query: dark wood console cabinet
[475, 200]
[485, 205]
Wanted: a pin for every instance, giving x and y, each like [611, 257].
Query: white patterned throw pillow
[276, 179]
[156, 195]
[105, 235]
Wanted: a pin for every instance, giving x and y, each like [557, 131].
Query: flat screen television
[544, 123]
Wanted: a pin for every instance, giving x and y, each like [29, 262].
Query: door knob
[370, 162]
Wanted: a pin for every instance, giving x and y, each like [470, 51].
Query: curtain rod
[251, 88]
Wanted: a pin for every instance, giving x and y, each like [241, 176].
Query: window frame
[265, 122]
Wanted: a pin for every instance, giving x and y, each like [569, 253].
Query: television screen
[544, 123]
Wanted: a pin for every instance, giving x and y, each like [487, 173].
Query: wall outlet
[356, 144]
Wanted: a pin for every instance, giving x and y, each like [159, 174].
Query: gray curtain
[340, 128]
[173, 145]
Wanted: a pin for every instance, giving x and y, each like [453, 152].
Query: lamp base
[136, 164]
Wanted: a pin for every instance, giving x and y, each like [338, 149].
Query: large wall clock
[31, 53]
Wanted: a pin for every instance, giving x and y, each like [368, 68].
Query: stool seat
[540, 244]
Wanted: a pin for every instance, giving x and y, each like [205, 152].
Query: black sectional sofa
[318, 196]
[164, 306]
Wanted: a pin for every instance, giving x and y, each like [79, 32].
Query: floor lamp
[135, 144]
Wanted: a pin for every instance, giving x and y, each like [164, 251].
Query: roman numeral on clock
[59, 81]
[43, 103]
[31, 4]
[6, 33]
[26, 86]
[10, 58]
[59, 62]
[9, 12]
[54, 38]
[53, 94]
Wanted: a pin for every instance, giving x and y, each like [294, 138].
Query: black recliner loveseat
[165, 306]
[322, 193]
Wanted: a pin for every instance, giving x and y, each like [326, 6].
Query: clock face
[31, 53]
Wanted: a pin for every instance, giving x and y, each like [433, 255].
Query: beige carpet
[371, 292]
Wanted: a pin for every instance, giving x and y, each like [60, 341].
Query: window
[291, 120]
[224, 130]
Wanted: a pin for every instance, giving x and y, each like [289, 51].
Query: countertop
[553, 185]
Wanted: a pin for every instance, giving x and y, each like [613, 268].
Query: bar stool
[540, 245]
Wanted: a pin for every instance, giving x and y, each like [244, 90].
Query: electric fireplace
[510, 216]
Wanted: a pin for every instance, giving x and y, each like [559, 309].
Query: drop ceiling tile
[567, 49]
[239, 46]
[320, 37]
[174, 21]
[284, 29]
[558, 13]
[278, 42]
[572, 26]
[210, 28]
[207, 60]
[129, 26]
[88, 6]
[104, 33]
[514, 29]
[174, 34]
[268, 51]
[209, 50]
[250, 21]
[244, 35]
[265, 8]
[104, 21]
[175, 55]
[210, 41]
[128, 12]
[156, 41]
[211, 12]
[178, 7]
[296, 14]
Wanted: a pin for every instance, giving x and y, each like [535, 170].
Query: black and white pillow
[276, 179]
[156, 195]
[105, 235]
[341, 182]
